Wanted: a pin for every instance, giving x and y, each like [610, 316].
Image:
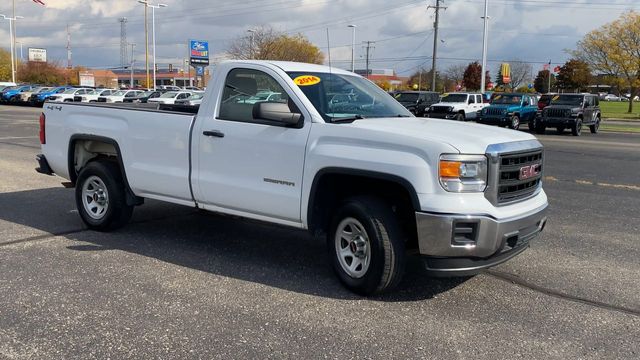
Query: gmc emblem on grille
[529, 171]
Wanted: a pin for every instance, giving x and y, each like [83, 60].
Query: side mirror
[526, 103]
[276, 111]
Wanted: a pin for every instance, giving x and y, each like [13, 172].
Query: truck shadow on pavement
[224, 246]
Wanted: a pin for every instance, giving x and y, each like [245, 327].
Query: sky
[535, 31]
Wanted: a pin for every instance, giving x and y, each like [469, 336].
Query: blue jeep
[39, 98]
[13, 95]
[510, 110]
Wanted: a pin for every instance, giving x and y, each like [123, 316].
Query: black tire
[515, 122]
[595, 127]
[560, 129]
[540, 128]
[385, 241]
[117, 212]
[460, 117]
[576, 129]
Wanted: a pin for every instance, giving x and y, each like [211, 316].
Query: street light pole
[12, 44]
[483, 77]
[353, 46]
[153, 35]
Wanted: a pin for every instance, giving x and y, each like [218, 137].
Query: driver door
[248, 166]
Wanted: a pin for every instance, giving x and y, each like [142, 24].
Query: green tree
[5, 65]
[541, 82]
[267, 44]
[614, 50]
[574, 75]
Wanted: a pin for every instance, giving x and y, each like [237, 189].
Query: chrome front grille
[515, 171]
[511, 185]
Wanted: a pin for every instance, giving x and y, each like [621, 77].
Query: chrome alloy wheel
[95, 197]
[353, 247]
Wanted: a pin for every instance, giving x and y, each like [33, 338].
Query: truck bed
[157, 107]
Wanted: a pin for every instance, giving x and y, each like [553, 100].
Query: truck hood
[468, 138]
[504, 107]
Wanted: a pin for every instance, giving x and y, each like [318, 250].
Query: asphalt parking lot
[179, 283]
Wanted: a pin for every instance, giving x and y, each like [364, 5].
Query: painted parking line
[596, 183]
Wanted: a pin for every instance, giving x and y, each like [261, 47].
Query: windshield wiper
[347, 119]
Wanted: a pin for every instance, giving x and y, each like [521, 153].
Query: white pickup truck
[457, 106]
[367, 175]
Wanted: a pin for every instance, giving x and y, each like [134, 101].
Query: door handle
[216, 133]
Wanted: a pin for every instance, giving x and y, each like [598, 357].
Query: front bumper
[458, 245]
[494, 120]
[555, 121]
[448, 116]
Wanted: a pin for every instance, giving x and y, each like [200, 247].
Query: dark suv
[570, 111]
[417, 101]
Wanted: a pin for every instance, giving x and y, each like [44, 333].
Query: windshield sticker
[498, 97]
[306, 80]
[555, 98]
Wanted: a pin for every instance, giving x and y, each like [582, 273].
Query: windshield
[70, 91]
[575, 100]
[42, 89]
[455, 98]
[170, 95]
[507, 99]
[407, 97]
[119, 93]
[361, 98]
[196, 96]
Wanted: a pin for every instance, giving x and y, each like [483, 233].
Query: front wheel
[540, 128]
[460, 117]
[366, 246]
[515, 122]
[101, 197]
[576, 129]
[595, 127]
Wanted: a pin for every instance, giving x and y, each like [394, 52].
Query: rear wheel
[100, 196]
[366, 245]
[576, 129]
[595, 127]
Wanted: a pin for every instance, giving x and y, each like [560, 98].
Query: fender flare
[132, 199]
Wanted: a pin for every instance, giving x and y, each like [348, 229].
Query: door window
[243, 89]
[472, 99]
[479, 99]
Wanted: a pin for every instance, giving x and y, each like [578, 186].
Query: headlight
[463, 173]
[137, 101]
[450, 108]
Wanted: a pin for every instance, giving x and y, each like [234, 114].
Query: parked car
[509, 109]
[627, 96]
[417, 101]
[267, 96]
[193, 100]
[93, 95]
[120, 95]
[457, 106]
[25, 96]
[169, 87]
[170, 97]
[69, 94]
[6, 84]
[376, 181]
[612, 97]
[12, 94]
[571, 111]
[144, 97]
[39, 98]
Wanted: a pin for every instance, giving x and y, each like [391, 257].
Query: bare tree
[520, 73]
[455, 73]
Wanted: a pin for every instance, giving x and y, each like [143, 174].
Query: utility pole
[549, 77]
[146, 46]
[435, 42]
[13, 38]
[123, 42]
[69, 66]
[353, 45]
[368, 48]
[485, 38]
